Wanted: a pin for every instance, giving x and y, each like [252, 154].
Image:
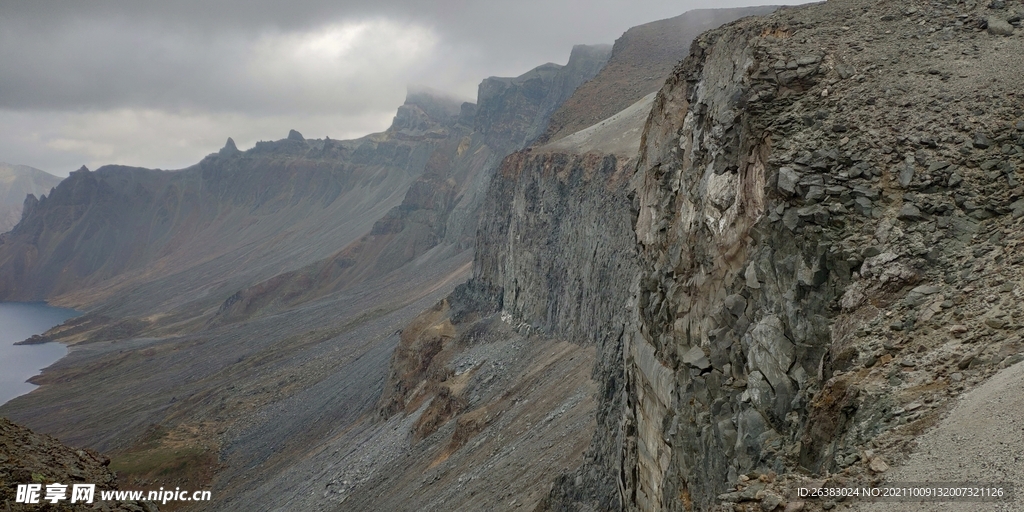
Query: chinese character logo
[83, 493]
[56, 492]
[28, 493]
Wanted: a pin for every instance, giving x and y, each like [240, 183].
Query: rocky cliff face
[556, 259]
[822, 202]
[533, 96]
[27, 457]
[555, 200]
[809, 184]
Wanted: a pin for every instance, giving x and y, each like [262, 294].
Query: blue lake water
[18, 363]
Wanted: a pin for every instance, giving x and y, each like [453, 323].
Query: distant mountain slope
[641, 60]
[17, 182]
[158, 240]
[439, 212]
[235, 217]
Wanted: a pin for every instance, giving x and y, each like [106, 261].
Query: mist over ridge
[160, 86]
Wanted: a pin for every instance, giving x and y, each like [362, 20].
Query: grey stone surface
[909, 212]
[999, 27]
[696, 358]
[788, 179]
[826, 230]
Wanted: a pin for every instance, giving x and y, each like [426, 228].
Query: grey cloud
[183, 54]
[70, 68]
[120, 62]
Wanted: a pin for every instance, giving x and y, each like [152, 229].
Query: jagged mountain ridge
[16, 183]
[438, 214]
[234, 216]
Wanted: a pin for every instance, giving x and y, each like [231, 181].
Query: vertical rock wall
[816, 193]
[732, 308]
[556, 243]
[815, 251]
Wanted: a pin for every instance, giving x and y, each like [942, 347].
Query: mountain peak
[294, 135]
[425, 111]
[437, 105]
[589, 51]
[229, 148]
[21, 188]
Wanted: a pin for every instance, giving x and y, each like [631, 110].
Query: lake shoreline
[25, 349]
[35, 339]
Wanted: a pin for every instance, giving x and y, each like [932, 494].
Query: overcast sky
[163, 83]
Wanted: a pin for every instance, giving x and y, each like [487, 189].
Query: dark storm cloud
[113, 81]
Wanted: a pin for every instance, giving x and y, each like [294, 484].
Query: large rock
[770, 351]
[999, 27]
[788, 180]
[760, 179]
